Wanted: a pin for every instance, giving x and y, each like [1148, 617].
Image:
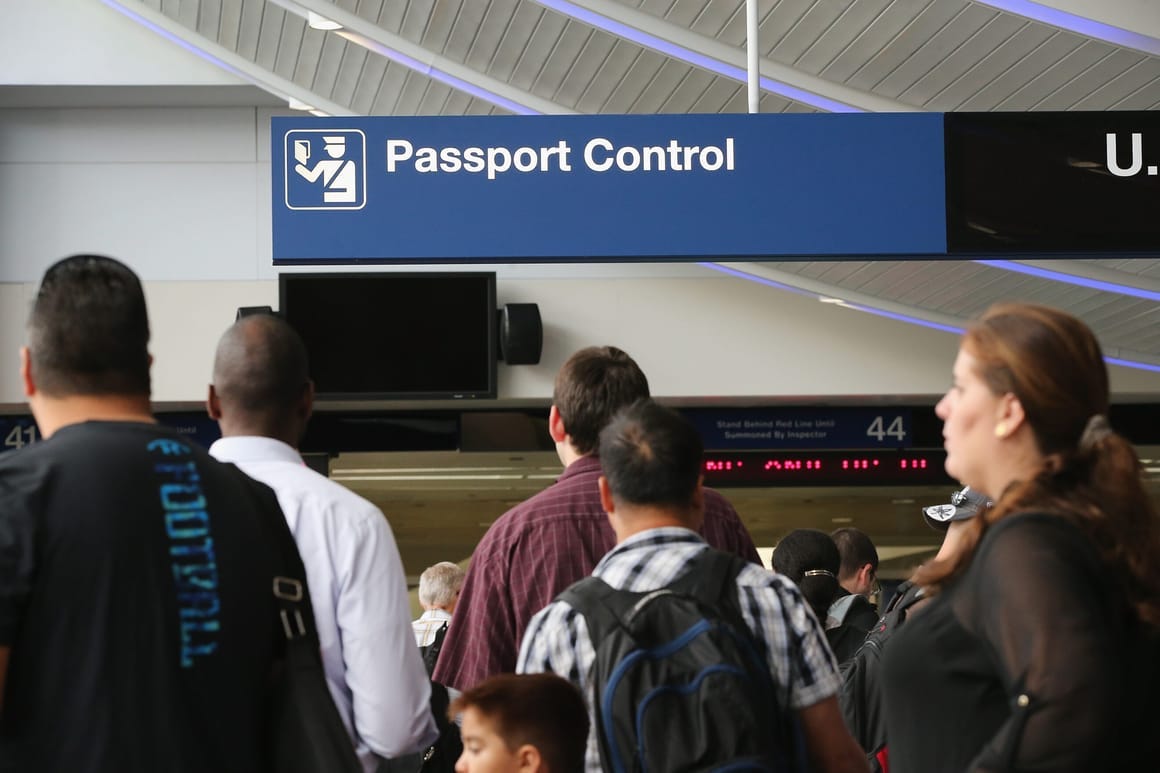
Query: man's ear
[606, 500]
[213, 404]
[26, 372]
[529, 760]
[863, 577]
[306, 402]
[556, 425]
[697, 501]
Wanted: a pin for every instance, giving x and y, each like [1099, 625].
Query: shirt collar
[253, 448]
[651, 539]
[585, 465]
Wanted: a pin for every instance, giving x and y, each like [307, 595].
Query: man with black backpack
[701, 661]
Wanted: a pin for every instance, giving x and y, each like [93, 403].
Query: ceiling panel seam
[928, 40]
[1045, 72]
[893, 39]
[1018, 63]
[1059, 89]
[974, 67]
[841, 50]
[880, 17]
[575, 61]
[791, 28]
[963, 45]
[527, 44]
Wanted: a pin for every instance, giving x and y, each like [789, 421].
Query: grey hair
[439, 584]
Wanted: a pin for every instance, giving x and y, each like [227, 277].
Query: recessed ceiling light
[841, 520]
[319, 22]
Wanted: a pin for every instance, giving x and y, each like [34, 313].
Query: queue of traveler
[619, 620]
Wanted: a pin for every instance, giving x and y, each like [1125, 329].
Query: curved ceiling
[483, 57]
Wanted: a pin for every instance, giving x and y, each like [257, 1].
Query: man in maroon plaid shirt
[543, 545]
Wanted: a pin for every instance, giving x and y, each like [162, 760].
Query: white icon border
[286, 168]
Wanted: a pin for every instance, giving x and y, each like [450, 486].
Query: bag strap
[709, 578]
[595, 600]
[904, 599]
[295, 615]
[431, 651]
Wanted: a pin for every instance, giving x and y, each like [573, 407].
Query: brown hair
[857, 550]
[1051, 362]
[592, 386]
[543, 710]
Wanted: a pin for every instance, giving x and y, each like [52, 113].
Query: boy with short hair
[526, 723]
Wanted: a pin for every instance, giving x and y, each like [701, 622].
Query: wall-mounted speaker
[521, 334]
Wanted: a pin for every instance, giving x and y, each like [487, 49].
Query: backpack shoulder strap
[431, 651]
[602, 606]
[710, 578]
[907, 598]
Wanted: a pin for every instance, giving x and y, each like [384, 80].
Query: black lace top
[1027, 662]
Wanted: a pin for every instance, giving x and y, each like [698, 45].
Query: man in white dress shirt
[262, 397]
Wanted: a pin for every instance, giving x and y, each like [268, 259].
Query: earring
[1001, 429]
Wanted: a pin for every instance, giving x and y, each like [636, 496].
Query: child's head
[526, 723]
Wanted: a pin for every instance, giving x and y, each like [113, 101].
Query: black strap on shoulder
[593, 598]
[709, 579]
[906, 597]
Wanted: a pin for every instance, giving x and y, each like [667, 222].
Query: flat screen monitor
[387, 336]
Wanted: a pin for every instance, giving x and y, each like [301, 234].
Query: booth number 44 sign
[879, 430]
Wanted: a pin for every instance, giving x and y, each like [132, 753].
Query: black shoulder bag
[306, 732]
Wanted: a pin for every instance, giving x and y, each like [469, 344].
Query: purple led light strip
[1072, 279]
[910, 320]
[1078, 24]
[201, 53]
[695, 58]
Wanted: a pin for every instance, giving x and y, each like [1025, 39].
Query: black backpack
[431, 651]
[439, 757]
[680, 683]
[856, 618]
[861, 694]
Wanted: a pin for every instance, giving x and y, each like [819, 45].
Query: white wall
[84, 42]
[183, 196]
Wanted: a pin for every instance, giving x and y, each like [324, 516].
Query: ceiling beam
[1094, 20]
[219, 55]
[723, 59]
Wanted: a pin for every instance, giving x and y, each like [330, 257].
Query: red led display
[826, 468]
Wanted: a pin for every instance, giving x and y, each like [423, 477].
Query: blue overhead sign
[547, 188]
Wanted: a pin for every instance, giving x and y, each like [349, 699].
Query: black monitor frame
[483, 383]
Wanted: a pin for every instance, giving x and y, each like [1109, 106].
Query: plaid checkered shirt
[784, 627]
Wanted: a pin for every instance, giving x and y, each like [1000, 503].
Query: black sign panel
[1076, 182]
